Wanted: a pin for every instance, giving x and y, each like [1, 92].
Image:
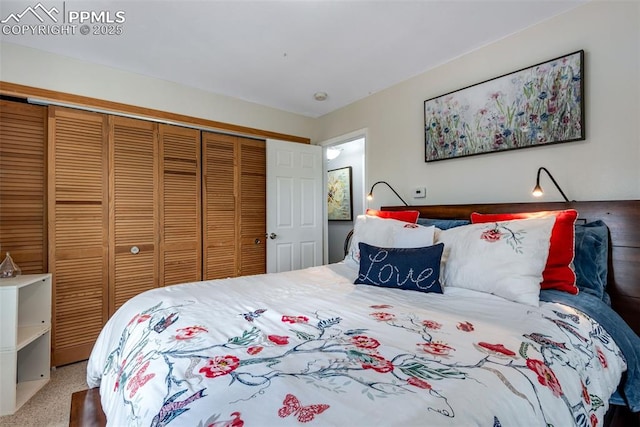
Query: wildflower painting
[538, 105]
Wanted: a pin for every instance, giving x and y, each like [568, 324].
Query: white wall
[32, 67]
[606, 166]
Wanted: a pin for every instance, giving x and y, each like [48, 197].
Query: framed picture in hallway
[339, 194]
[538, 105]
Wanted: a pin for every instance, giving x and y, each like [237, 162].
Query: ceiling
[279, 53]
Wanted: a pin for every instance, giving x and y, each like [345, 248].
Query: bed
[404, 346]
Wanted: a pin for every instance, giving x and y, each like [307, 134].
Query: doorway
[345, 151]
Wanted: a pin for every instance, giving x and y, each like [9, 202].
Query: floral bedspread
[310, 347]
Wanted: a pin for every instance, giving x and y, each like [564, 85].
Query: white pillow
[412, 236]
[386, 233]
[502, 258]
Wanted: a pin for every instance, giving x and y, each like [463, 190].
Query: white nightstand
[25, 338]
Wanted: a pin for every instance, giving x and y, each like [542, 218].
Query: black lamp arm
[390, 187]
[566, 199]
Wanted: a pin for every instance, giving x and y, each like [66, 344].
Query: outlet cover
[419, 193]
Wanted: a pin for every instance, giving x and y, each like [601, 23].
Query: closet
[78, 217]
[234, 201]
[113, 206]
[181, 201]
[134, 222]
[23, 233]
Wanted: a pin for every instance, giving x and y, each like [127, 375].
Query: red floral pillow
[406, 216]
[558, 272]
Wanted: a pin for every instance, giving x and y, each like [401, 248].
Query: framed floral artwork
[339, 195]
[538, 105]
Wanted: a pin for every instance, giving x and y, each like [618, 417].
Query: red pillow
[558, 273]
[406, 216]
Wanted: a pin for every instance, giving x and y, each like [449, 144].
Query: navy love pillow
[414, 269]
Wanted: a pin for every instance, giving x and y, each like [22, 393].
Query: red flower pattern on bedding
[436, 348]
[417, 382]
[255, 349]
[585, 394]
[356, 351]
[279, 339]
[431, 324]
[380, 306]
[602, 358]
[465, 326]
[382, 316]
[546, 376]
[362, 341]
[295, 319]
[236, 421]
[220, 365]
[189, 332]
[139, 318]
[378, 364]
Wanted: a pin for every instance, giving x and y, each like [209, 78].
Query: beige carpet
[50, 406]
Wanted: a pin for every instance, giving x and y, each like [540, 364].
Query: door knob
[257, 241]
[273, 236]
[135, 250]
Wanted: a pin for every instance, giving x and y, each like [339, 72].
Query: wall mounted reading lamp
[537, 190]
[370, 195]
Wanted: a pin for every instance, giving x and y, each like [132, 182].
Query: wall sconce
[537, 190]
[370, 195]
[332, 153]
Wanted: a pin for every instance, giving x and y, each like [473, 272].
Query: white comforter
[309, 346]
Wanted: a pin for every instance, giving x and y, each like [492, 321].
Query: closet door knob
[257, 241]
[135, 250]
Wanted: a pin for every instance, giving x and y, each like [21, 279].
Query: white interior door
[294, 206]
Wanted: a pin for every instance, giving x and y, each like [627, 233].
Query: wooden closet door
[252, 206]
[234, 176]
[134, 223]
[78, 230]
[221, 228]
[23, 130]
[181, 208]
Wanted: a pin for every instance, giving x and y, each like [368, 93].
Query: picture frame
[538, 105]
[339, 195]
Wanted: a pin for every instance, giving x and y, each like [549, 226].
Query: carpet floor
[50, 406]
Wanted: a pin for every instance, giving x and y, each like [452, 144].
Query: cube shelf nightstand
[25, 338]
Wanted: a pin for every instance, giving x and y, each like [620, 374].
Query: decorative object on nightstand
[25, 338]
[8, 268]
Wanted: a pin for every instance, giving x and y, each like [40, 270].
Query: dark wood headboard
[621, 216]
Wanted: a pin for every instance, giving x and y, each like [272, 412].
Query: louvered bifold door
[134, 222]
[23, 185]
[221, 236]
[252, 206]
[181, 209]
[78, 226]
